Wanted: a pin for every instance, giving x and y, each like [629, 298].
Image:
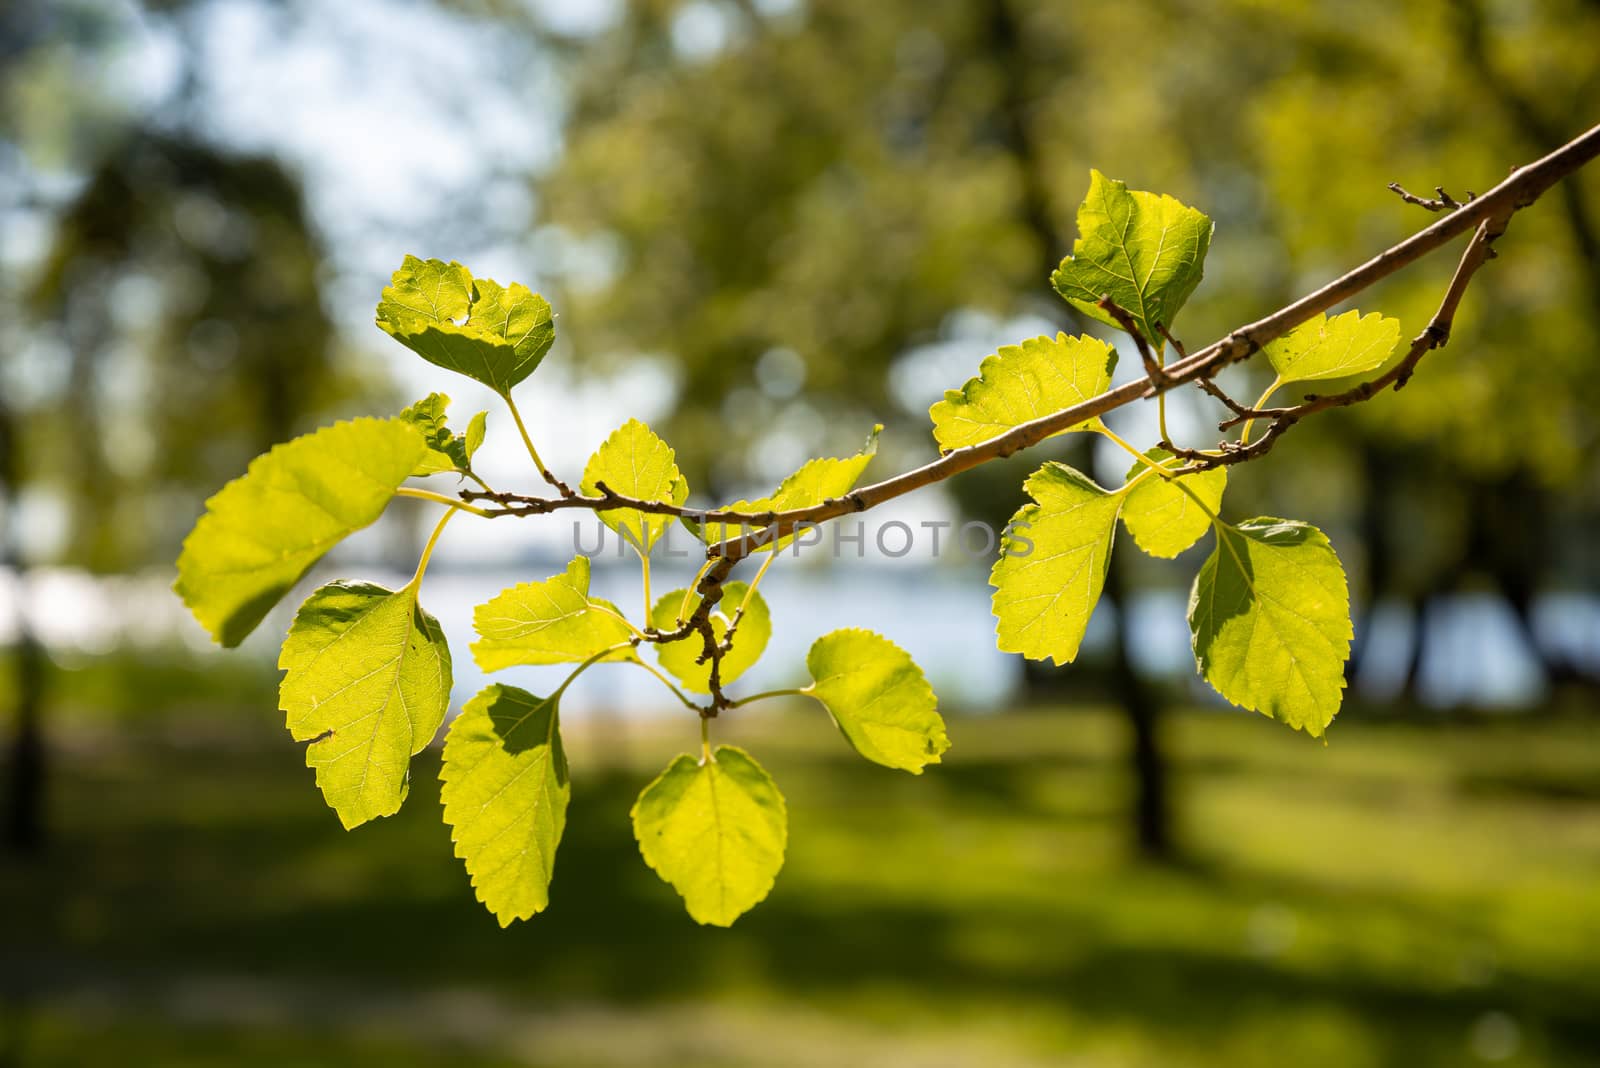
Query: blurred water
[940, 615]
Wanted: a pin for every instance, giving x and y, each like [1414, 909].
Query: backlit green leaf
[879, 698]
[1052, 564]
[1323, 348]
[367, 683]
[1021, 383]
[1147, 251]
[755, 628]
[446, 451]
[636, 463]
[495, 334]
[816, 481]
[477, 426]
[549, 622]
[1163, 519]
[505, 793]
[1270, 616]
[716, 831]
[264, 530]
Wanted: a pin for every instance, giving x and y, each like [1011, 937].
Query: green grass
[1406, 895]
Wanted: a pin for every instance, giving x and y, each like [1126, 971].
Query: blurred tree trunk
[25, 757]
[1138, 701]
[1377, 473]
[1510, 519]
[1513, 558]
[1152, 816]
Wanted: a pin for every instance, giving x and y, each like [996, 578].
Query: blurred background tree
[174, 330]
[801, 199]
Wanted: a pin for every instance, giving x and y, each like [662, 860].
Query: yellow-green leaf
[749, 641]
[1021, 383]
[715, 831]
[495, 334]
[879, 699]
[636, 463]
[367, 683]
[1052, 564]
[264, 530]
[477, 427]
[549, 622]
[1322, 348]
[1270, 617]
[505, 793]
[816, 481]
[1163, 519]
[447, 451]
[1147, 251]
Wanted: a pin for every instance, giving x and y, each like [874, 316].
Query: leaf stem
[750, 591]
[581, 668]
[522, 428]
[427, 550]
[766, 694]
[1261, 402]
[1127, 487]
[608, 610]
[644, 568]
[705, 740]
[1132, 449]
[439, 498]
[669, 684]
[683, 609]
[1159, 468]
[1161, 398]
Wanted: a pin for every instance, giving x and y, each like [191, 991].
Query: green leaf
[1163, 519]
[1052, 564]
[367, 683]
[1270, 615]
[477, 426]
[446, 451]
[755, 628]
[264, 530]
[495, 334]
[715, 831]
[549, 622]
[1147, 251]
[1322, 348]
[879, 698]
[427, 415]
[1021, 383]
[820, 480]
[636, 463]
[505, 793]
[816, 481]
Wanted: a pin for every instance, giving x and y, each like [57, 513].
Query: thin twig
[1177, 346]
[1443, 202]
[1246, 415]
[1486, 217]
[1524, 186]
[1152, 367]
[1479, 250]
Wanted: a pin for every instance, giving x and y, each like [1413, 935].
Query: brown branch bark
[1486, 217]
[1524, 186]
[1479, 251]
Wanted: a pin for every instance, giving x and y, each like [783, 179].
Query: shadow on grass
[195, 861]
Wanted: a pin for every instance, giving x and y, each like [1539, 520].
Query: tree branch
[1444, 201]
[1479, 251]
[1486, 217]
